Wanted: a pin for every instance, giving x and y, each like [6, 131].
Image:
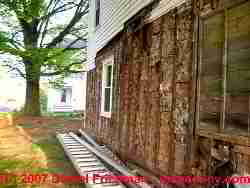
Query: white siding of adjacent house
[113, 15]
[75, 95]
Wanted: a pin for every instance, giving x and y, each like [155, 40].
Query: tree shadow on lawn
[30, 146]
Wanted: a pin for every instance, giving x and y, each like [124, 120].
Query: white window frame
[107, 62]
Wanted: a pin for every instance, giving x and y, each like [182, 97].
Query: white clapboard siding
[113, 15]
[163, 7]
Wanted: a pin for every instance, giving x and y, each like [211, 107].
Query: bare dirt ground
[28, 146]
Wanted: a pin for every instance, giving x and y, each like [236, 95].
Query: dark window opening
[107, 99]
[63, 97]
[97, 13]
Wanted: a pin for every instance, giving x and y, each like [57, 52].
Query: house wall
[153, 118]
[75, 95]
[152, 93]
[212, 148]
[79, 93]
[54, 100]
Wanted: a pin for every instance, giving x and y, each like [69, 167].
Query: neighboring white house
[69, 98]
[72, 96]
[9, 97]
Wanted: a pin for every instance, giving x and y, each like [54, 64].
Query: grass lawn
[29, 147]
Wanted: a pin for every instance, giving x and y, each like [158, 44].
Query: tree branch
[60, 72]
[59, 9]
[46, 21]
[15, 69]
[14, 42]
[65, 69]
[77, 16]
[44, 32]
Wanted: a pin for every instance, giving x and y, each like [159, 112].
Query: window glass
[107, 87]
[226, 65]
[211, 71]
[107, 99]
[109, 75]
[238, 75]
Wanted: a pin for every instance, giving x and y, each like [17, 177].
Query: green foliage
[66, 115]
[42, 44]
[34, 19]
[4, 114]
[24, 9]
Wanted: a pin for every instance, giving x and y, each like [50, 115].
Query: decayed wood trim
[208, 11]
[242, 149]
[225, 137]
[195, 78]
[224, 68]
[195, 74]
[199, 54]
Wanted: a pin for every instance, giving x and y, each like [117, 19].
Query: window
[224, 75]
[97, 12]
[107, 83]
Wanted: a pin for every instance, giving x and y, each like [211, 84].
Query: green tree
[44, 37]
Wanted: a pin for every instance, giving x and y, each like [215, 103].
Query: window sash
[227, 79]
[107, 89]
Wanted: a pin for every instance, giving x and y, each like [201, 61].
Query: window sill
[106, 114]
[224, 136]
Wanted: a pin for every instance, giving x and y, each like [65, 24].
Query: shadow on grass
[8, 177]
[57, 163]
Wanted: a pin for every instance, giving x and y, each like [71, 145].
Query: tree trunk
[32, 99]
[32, 68]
